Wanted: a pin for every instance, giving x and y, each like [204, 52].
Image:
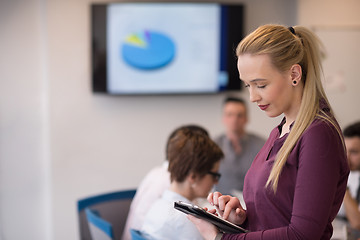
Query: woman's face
[270, 89]
[205, 184]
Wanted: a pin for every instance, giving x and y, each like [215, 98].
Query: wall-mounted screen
[165, 48]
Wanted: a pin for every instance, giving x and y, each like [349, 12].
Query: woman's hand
[206, 229]
[228, 207]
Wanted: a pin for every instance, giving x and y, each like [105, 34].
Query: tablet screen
[222, 224]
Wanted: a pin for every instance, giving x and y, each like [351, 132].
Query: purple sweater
[310, 190]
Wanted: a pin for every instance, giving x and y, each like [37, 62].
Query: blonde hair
[285, 49]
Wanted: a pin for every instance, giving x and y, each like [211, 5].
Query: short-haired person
[239, 146]
[296, 183]
[352, 195]
[156, 181]
[193, 165]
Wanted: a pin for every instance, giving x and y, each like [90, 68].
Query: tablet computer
[222, 224]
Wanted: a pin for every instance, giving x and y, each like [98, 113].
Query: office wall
[338, 26]
[24, 160]
[59, 142]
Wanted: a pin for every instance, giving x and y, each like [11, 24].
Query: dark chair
[99, 228]
[137, 235]
[112, 207]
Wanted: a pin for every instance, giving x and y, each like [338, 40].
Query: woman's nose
[254, 96]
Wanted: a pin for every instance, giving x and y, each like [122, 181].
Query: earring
[294, 82]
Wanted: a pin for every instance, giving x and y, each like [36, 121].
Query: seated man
[239, 147]
[350, 209]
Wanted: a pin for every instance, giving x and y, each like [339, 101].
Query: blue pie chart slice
[148, 50]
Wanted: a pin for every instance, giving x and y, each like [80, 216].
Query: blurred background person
[239, 147]
[156, 181]
[350, 210]
[194, 161]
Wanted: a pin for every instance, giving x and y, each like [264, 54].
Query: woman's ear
[295, 74]
[191, 178]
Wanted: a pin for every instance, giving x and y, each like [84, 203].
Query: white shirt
[149, 190]
[353, 184]
[164, 222]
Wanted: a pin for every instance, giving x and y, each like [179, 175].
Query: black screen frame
[232, 32]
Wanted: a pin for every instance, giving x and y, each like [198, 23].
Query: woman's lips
[263, 107]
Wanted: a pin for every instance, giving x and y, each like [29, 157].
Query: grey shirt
[234, 166]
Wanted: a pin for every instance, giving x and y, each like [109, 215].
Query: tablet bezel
[222, 224]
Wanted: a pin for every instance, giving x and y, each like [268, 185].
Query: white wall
[60, 142]
[337, 23]
[24, 166]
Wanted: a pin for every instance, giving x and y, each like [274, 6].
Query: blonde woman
[295, 185]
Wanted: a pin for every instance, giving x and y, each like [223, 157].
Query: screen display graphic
[193, 29]
[148, 50]
[141, 48]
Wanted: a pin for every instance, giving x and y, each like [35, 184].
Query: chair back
[136, 235]
[112, 207]
[100, 229]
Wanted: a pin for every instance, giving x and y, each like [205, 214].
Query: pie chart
[148, 50]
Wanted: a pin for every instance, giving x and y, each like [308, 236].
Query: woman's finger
[216, 196]
[222, 201]
[232, 204]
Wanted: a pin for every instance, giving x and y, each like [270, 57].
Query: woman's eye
[261, 86]
[247, 85]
